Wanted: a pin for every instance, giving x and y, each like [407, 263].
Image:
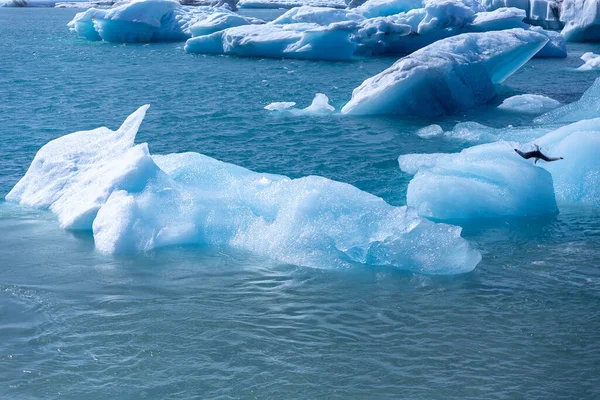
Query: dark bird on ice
[537, 154]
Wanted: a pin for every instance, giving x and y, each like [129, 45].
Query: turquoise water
[188, 321]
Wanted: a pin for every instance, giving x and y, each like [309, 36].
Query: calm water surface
[190, 322]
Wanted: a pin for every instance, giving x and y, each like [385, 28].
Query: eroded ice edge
[99, 180]
[490, 180]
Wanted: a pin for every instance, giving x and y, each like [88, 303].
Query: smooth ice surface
[143, 21]
[485, 181]
[451, 75]
[581, 19]
[592, 62]
[585, 108]
[134, 202]
[529, 104]
[383, 8]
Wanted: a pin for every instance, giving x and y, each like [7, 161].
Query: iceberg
[491, 180]
[581, 19]
[99, 180]
[529, 104]
[485, 181]
[378, 27]
[300, 40]
[144, 21]
[592, 62]
[587, 107]
[577, 176]
[451, 75]
[291, 3]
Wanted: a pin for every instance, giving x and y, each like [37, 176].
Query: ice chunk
[529, 104]
[291, 3]
[132, 201]
[75, 174]
[280, 106]
[592, 62]
[301, 40]
[491, 180]
[142, 21]
[319, 105]
[502, 18]
[383, 8]
[317, 15]
[451, 75]
[430, 131]
[588, 106]
[577, 176]
[485, 181]
[581, 19]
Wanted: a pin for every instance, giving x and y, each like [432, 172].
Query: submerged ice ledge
[99, 180]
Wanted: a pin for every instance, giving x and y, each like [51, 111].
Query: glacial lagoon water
[186, 322]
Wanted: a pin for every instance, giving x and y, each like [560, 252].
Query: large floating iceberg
[485, 181]
[143, 21]
[491, 180]
[544, 13]
[100, 180]
[581, 19]
[451, 75]
[377, 27]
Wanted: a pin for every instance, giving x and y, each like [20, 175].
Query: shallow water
[184, 322]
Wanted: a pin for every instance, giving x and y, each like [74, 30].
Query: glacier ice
[430, 131]
[588, 106]
[485, 181]
[450, 75]
[581, 19]
[298, 40]
[319, 105]
[101, 181]
[491, 180]
[142, 21]
[592, 62]
[378, 27]
[577, 176]
[544, 13]
[74, 175]
[529, 104]
[290, 3]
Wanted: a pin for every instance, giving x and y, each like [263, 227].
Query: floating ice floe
[377, 27]
[291, 3]
[319, 105]
[588, 106]
[143, 21]
[303, 40]
[450, 75]
[592, 62]
[529, 104]
[101, 181]
[491, 180]
[485, 181]
[581, 19]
